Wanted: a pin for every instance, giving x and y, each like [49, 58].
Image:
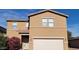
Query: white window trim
[14, 24]
[48, 22]
[26, 25]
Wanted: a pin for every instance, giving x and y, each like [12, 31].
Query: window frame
[51, 22]
[44, 23]
[48, 22]
[14, 25]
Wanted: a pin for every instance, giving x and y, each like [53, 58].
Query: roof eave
[17, 20]
[62, 14]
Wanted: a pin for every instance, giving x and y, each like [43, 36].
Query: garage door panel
[47, 44]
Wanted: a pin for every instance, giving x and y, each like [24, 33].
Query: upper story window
[15, 25]
[48, 22]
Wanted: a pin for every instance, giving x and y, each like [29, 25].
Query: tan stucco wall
[20, 27]
[59, 29]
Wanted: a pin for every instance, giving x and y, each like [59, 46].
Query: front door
[25, 42]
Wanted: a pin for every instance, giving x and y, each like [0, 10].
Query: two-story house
[44, 30]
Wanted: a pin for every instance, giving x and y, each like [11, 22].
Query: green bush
[3, 42]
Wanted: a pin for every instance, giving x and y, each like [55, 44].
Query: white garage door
[48, 44]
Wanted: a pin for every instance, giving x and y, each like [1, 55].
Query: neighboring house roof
[17, 20]
[74, 43]
[52, 11]
[75, 38]
[2, 29]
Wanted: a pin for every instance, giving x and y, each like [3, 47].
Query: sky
[72, 20]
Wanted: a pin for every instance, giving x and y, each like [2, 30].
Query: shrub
[14, 43]
[3, 42]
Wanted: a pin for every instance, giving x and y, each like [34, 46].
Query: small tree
[14, 43]
[69, 35]
[69, 38]
[3, 42]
